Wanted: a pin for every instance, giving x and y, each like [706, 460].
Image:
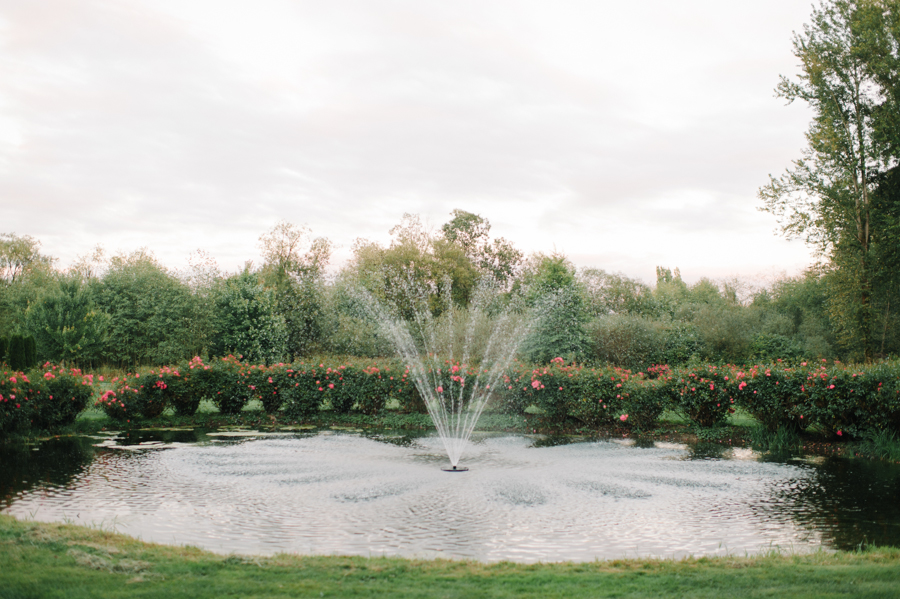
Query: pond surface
[525, 499]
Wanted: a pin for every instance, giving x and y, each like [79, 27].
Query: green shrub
[197, 381]
[772, 394]
[228, 385]
[22, 352]
[515, 395]
[17, 393]
[271, 385]
[304, 399]
[877, 387]
[644, 400]
[699, 393]
[405, 391]
[597, 395]
[342, 386]
[356, 385]
[66, 394]
[553, 392]
[831, 397]
[124, 403]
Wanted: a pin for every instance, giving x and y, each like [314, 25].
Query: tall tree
[294, 264]
[471, 232]
[18, 255]
[549, 285]
[24, 274]
[827, 196]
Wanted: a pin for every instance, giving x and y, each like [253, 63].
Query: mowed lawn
[65, 561]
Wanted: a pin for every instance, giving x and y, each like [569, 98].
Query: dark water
[525, 498]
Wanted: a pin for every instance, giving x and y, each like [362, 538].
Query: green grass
[55, 560]
[883, 445]
[782, 440]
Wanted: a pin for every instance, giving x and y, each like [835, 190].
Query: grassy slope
[52, 560]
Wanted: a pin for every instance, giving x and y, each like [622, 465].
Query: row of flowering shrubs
[43, 399]
[840, 399]
[299, 390]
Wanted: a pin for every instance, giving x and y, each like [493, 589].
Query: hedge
[840, 399]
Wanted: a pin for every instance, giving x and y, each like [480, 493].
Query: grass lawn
[57, 560]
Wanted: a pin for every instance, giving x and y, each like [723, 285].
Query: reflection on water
[526, 498]
[48, 466]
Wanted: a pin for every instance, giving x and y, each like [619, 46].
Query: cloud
[180, 125]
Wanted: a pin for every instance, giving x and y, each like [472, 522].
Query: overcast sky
[625, 135]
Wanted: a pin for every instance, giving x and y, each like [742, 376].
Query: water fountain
[456, 358]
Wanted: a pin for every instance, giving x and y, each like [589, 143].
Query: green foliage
[305, 398]
[771, 394]
[768, 347]
[22, 352]
[20, 254]
[637, 342]
[18, 395]
[150, 311]
[294, 264]
[882, 445]
[849, 72]
[560, 390]
[189, 384]
[43, 400]
[725, 331]
[643, 401]
[67, 325]
[66, 394]
[248, 322]
[700, 394]
[607, 294]
[229, 385]
[550, 287]
[782, 439]
[299, 301]
[470, 233]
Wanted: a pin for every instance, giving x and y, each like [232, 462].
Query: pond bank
[57, 560]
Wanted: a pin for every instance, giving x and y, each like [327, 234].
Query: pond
[525, 498]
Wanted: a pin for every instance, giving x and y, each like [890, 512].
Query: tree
[249, 324]
[551, 288]
[827, 196]
[24, 273]
[471, 232]
[415, 262]
[67, 325]
[289, 251]
[294, 264]
[150, 311]
[18, 255]
[614, 293]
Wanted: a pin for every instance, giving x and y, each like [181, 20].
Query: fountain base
[456, 469]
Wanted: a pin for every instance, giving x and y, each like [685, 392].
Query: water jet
[455, 356]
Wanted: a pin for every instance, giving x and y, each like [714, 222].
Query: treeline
[130, 310]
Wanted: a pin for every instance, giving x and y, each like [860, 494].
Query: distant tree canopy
[130, 310]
